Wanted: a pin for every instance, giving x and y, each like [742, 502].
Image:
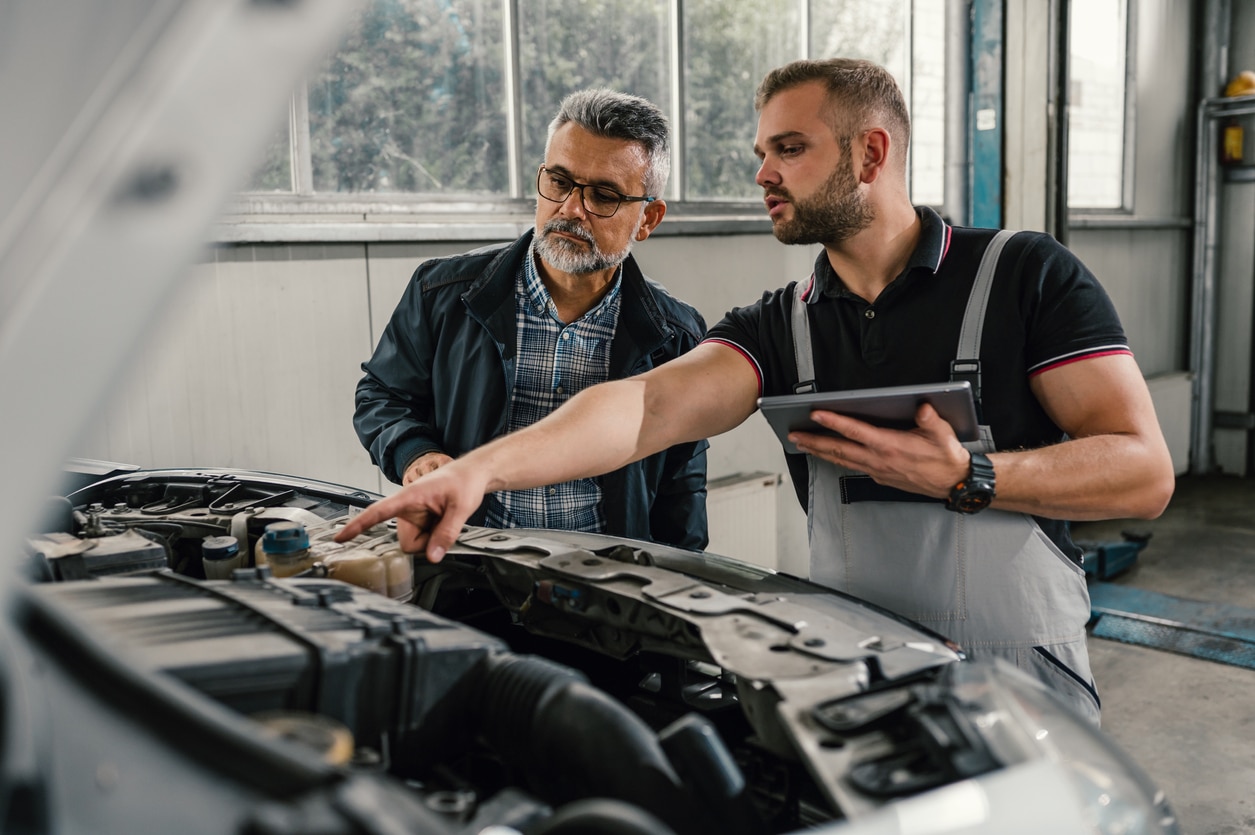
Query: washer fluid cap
[284, 538]
[219, 547]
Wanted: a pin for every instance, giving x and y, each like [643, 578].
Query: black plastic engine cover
[387, 670]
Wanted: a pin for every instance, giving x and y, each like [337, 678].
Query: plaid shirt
[555, 362]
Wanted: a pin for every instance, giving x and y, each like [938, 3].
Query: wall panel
[1145, 273]
[253, 367]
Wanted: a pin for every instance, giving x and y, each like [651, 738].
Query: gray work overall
[993, 582]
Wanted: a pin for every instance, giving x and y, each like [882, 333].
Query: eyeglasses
[597, 200]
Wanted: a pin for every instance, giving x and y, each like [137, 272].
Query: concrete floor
[1190, 723]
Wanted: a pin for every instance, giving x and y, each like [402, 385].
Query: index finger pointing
[380, 511]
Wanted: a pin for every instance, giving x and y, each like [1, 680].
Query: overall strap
[966, 365]
[802, 355]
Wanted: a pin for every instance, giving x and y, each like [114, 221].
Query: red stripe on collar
[806, 293]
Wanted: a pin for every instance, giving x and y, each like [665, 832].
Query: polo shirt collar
[930, 252]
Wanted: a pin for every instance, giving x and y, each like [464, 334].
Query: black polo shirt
[1045, 309]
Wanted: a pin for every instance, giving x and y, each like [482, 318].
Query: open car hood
[530, 672]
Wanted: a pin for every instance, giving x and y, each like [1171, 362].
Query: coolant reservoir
[374, 563]
[390, 572]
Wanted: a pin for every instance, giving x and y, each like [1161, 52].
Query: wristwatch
[974, 493]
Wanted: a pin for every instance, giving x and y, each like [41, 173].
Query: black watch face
[973, 501]
[971, 496]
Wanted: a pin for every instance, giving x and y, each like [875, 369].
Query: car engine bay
[531, 679]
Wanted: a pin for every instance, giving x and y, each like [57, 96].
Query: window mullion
[298, 127]
[679, 153]
[1130, 107]
[804, 29]
[513, 96]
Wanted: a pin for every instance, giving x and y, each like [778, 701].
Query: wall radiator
[742, 512]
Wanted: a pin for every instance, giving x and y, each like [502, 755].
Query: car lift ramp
[1211, 631]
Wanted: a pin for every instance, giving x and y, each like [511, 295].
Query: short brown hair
[859, 92]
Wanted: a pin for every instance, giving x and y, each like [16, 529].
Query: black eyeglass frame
[623, 198]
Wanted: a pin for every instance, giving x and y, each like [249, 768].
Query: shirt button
[560, 390]
[566, 334]
[869, 313]
[553, 490]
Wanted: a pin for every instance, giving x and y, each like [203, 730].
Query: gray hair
[617, 115]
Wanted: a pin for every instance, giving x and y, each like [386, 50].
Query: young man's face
[569, 237]
[809, 185]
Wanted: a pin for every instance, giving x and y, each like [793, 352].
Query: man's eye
[791, 150]
[606, 196]
[560, 182]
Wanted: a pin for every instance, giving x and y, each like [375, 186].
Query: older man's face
[572, 239]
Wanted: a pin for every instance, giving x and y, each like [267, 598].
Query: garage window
[1098, 106]
[445, 102]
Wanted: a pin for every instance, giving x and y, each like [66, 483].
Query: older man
[489, 342]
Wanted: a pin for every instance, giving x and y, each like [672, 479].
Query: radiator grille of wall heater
[742, 512]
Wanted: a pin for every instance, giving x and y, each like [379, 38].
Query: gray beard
[838, 212]
[570, 257]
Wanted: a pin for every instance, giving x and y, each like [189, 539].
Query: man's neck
[869, 262]
[575, 294]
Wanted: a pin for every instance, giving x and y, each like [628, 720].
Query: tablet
[891, 406]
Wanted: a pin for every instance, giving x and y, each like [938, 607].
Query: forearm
[705, 392]
[597, 431]
[1100, 477]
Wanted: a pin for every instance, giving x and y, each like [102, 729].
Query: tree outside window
[421, 99]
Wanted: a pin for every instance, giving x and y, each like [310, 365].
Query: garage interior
[257, 351]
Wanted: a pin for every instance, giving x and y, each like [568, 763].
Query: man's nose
[574, 203]
[766, 174]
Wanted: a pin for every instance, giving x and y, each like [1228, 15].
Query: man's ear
[653, 216]
[875, 145]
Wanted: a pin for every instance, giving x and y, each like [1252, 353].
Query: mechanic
[488, 342]
[967, 540]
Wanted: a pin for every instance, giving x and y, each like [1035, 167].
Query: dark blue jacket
[441, 375]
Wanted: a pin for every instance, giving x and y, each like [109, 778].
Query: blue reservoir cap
[284, 538]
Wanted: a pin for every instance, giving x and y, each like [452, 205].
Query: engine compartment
[530, 677]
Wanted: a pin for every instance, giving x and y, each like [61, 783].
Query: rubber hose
[572, 741]
[601, 816]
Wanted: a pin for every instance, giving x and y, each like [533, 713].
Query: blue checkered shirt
[555, 362]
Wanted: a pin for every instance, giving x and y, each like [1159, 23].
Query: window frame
[1128, 161]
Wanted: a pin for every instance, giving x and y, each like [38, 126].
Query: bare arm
[709, 390]
[1115, 464]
